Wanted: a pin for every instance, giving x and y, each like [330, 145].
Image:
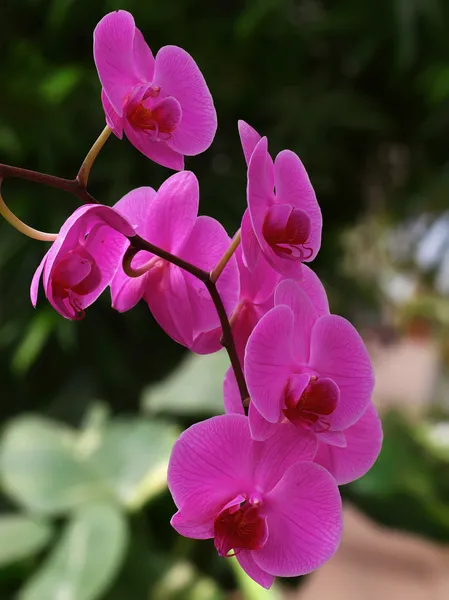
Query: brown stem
[78, 189]
[72, 186]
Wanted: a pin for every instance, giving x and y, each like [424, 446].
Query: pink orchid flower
[279, 513]
[312, 372]
[283, 220]
[162, 104]
[82, 260]
[168, 218]
[257, 289]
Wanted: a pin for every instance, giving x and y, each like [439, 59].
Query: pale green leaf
[194, 388]
[133, 455]
[21, 537]
[41, 468]
[86, 559]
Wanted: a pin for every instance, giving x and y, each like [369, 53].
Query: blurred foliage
[360, 90]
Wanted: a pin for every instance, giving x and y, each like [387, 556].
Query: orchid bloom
[312, 372]
[168, 218]
[283, 220]
[263, 502]
[162, 104]
[82, 260]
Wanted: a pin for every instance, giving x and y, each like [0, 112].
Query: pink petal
[290, 294]
[173, 212]
[107, 247]
[127, 291]
[245, 318]
[312, 286]
[114, 56]
[257, 285]
[166, 111]
[293, 187]
[168, 299]
[261, 429]
[249, 139]
[271, 459]
[158, 151]
[207, 342]
[205, 245]
[260, 576]
[34, 289]
[209, 466]
[250, 246]
[332, 438]
[269, 361]
[231, 395]
[259, 191]
[143, 58]
[178, 75]
[363, 444]
[338, 352]
[192, 529]
[304, 517]
[135, 207]
[113, 120]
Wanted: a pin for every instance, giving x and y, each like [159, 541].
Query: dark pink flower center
[159, 119]
[287, 230]
[240, 527]
[317, 402]
[77, 274]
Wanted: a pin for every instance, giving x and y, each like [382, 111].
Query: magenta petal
[261, 429]
[135, 206]
[304, 517]
[293, 187]
[332, 438]
[259, 191]
[114, 56]
[338, 352]
[249, 139]
[312, 286]
[205, 245]
[259, 284]
[209, 466]
[269, 361]
[207, 342]
[289, 293]
[34, 289]
[178, 75]
[154, 150]
[113, 120]
[231, 395]
[192, 529]
[127, 291]
[363, 444]
[247, 563]
[287, 446]
[168, 299]
[173, 212]
[143, 58]
[250, 246]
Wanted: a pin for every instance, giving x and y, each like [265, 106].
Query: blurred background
[90, 410]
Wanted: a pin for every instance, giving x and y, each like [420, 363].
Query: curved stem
[30, 232]
[129, 269]
[218, 269]
[83, 173]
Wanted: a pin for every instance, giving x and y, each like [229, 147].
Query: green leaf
[133, 455]
[21, 537]
[182, 582]
[42, 469]
[194, 388]
[86, 559]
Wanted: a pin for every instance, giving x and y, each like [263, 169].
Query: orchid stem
[77, 187]
[30, 232]
[83, 173]
[219, 267]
